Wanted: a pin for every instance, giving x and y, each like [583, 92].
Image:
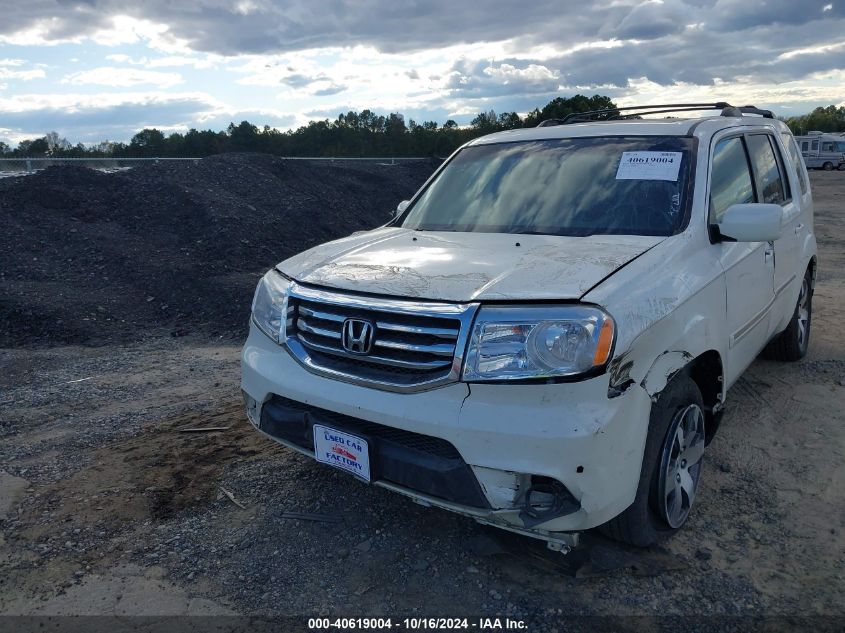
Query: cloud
[95, 117]
[330, 89]
[820, 49]
[36, 24]
[650, 20]
[738, 15]
[25, 75]
[491, 79]
[122, 77]
[117, 117]
[266, 26]
[769, 53]
[170, 61]
[298, 80]
[263, 26]
[221, 120]
[667, 41]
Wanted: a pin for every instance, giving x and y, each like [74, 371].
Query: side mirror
[751, 222]
[400, 208]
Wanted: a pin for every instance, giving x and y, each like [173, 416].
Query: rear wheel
[671, 467]
[791, 344]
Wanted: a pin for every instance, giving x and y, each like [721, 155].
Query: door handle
[798, 229]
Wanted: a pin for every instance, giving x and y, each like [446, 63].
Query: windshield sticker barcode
[649, 166]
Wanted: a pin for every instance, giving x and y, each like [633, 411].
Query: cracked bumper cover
[570, 432]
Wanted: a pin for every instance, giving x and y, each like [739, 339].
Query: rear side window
[769, 181]
[795, 159]
[805, 146]
[730, 182]
[815, 145]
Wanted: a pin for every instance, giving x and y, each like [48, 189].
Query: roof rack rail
[750, 109]
[617, 113]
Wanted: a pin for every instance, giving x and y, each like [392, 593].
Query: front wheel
[828, 166]
[671, 468]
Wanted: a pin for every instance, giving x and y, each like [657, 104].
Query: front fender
[663, 369]
[662, 351]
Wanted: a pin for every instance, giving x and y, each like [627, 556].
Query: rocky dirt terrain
[111, 502]
[89, 258]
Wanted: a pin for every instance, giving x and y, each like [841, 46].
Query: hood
[451, 266]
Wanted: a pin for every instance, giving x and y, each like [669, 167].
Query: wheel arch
[706, 370]
[708, 374]
[812, 265]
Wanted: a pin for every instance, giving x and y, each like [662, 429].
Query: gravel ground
[111, 507]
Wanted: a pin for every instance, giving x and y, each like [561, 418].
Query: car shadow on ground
[595, 555]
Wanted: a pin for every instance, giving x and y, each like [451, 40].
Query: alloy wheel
[681, 463]
[803, 314]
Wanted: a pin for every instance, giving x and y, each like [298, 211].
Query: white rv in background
[822, 150]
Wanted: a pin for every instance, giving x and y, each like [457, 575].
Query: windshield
[581, 186]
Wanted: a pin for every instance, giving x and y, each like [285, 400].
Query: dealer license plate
[342, 450]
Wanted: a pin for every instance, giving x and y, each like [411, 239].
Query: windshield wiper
[585, 233]
[527, 232]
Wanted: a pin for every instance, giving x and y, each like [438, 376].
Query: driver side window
[730, 180]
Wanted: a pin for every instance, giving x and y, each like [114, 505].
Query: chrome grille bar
[432, 331]
[303, 325]
[393, 362]
[325, 316]
[439, 350]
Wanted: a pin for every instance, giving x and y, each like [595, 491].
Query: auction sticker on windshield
[649, 166]
[342, 450]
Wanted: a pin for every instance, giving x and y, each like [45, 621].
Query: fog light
[545, 500]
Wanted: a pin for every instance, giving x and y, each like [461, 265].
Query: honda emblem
[357, 336]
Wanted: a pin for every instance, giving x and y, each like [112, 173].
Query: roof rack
[616, 113]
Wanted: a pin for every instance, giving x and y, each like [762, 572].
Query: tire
[828, 166]
[791, 344]
[651, 516]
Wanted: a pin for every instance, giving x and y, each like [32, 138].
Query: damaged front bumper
[545, 460]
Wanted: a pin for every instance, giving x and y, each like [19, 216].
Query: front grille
[412, 343]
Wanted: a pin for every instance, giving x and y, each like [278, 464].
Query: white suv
[543, 337]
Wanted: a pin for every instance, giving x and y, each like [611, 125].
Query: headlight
[512, 343]
[270, 305]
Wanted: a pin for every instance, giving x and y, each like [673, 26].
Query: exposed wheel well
[706, 371]
[812, 268]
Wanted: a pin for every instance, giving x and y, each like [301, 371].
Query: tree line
[354, 134]
[829, 119]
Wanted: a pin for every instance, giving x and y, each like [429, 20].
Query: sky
[95, 70]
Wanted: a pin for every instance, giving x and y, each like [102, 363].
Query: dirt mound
[90, 257]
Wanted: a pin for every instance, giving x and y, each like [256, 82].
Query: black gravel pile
[89, 257]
